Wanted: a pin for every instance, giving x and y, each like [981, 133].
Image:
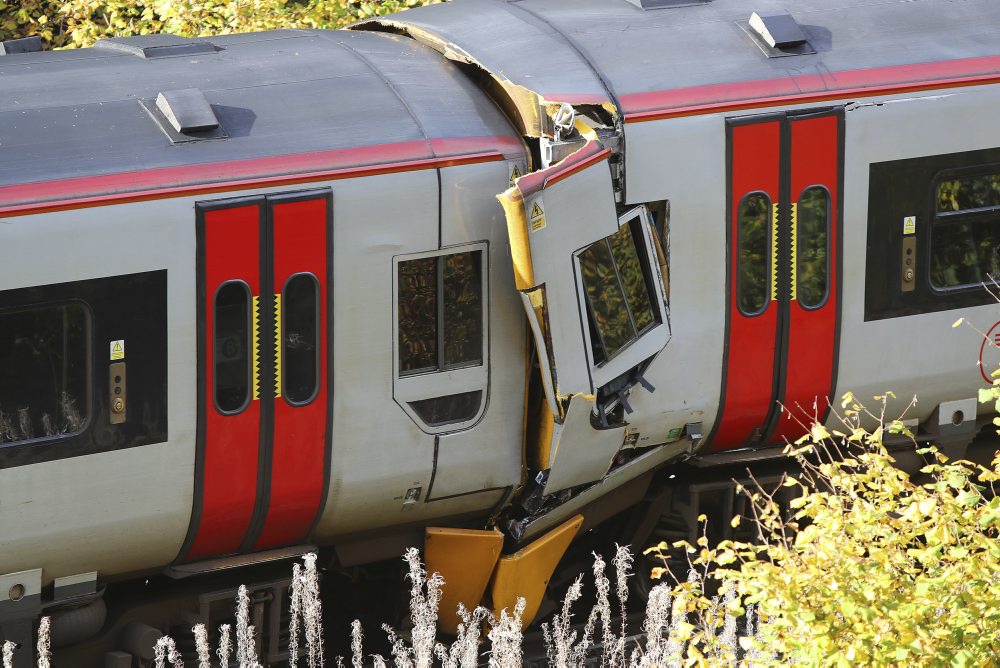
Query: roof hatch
[157, 46]
[184, 116]
[778, 35]
[23, 45]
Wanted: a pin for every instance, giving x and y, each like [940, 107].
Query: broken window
[616, 281]
[232, 347]
[965, 233]
[44, 354]
[440, 312]
[754, 259]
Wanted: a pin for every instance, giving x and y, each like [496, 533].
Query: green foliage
[868, 566]
[79, 23]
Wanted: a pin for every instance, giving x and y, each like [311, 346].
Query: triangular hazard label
[117, 348]
[514, 175]
[536, 211]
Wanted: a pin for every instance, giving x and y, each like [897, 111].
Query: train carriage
[258, 295]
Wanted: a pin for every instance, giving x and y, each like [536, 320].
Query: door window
[232, 347]
[441, 337]
[811, 252]
[300, 338]
[754, 262]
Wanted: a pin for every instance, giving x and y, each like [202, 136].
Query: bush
[868, 566]
[79, 23]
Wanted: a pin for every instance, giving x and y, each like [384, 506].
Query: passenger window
[754, 259]
[45, 361]
[616, 281]
[965, 232]
[232, 347]
[300, 334]
[440, 313]
[812, 252]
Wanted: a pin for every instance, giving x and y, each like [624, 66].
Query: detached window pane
[812, 252]
[232, 347]
[753, 262]
[463, 309]
[606, 298]
[300, 331]
[418, 334]
[43, 385]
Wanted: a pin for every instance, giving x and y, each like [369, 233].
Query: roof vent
[184, 116]
[157, 46]
[778, 35]
[23, 45]
[661, 4]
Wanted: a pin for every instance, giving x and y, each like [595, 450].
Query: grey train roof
[634, 51]
[76, 113]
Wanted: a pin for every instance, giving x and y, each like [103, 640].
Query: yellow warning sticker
[515, 174]
[909, 224]
[537, 217]
[118, 349]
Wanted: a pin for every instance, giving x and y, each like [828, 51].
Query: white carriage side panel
[125, 510]
[488, 455]
[922, 354]
[683, 160]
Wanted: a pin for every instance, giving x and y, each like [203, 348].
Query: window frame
[649, 341]
[798, 238]
[284, 348]
[215, 324]
[955, 218]
[89, 378]
[440, 382]
[769, 253]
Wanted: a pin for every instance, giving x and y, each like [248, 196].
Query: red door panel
[750, 345]
[300, 232]
[810, 352]
[786, 354]
[229, 248]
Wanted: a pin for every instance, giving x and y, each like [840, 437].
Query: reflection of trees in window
[965, 235]
[973, 192]
[754, 261]
[440, 316]
[463, 309]
[965, 253]
[616, 281]
[418, 315]
[811, 252]
[43, 354]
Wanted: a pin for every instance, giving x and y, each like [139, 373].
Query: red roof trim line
[638, 107]
[592, 152]
[87, 191]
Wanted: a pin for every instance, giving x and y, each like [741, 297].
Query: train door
[591, 286]
[263, 363]
[785, 173]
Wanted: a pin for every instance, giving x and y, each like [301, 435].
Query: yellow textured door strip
[774, 251]
[277, 345]
[526, 573]
[794, 244]
[255, 345]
